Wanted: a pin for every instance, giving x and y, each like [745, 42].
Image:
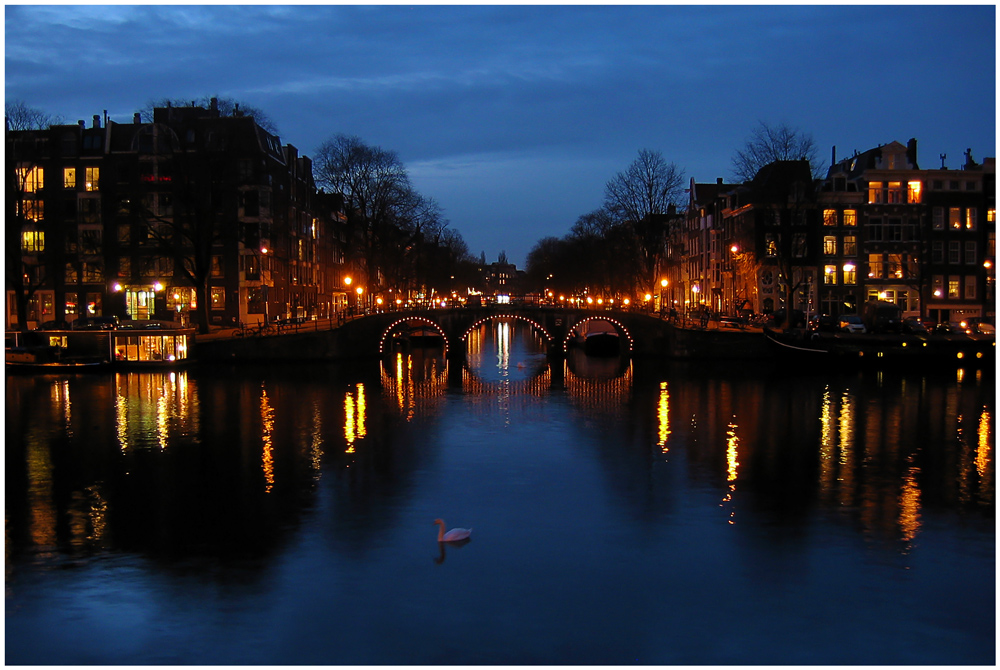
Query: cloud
[540, 103]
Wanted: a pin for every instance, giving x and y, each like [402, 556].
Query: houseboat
[130, 344]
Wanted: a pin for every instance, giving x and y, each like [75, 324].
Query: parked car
[54, 325]
[851, 324]
[983, 328]
[824, 323]
[913, 326]
[798, 318]
[96, 323]
[948, 328]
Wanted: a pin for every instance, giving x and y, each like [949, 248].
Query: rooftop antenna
[943, 156]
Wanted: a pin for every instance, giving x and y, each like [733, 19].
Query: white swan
[453, 535]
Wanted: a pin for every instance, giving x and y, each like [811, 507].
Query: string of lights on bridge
[548, 336]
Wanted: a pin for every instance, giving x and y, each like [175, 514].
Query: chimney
[81, 124]
[136, 119]
[214, 104]
[833, 156]
[911, 152]
[718, 180]
[97, 121]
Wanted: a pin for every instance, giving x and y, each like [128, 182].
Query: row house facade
[877, 227]
[116, 218]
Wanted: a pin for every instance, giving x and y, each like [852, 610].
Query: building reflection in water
[355, 416]
[732, 466]
[663, 418]
[151, 407]
[266, 438]
[884, 448]
[415, 381]
[881, 451]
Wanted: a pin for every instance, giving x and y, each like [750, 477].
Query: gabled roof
[701, 193]
[775, 180]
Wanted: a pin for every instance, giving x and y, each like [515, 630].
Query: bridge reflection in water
[504, 363]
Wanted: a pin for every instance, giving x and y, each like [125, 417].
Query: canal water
[622, 513]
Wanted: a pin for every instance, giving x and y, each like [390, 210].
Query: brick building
[192, 217]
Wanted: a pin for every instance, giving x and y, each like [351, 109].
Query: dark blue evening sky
[514, 117]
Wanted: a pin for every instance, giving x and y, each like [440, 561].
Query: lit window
[971, 214]
[875, 270]
[991, 215]
[829, 245]
[955, 218]
[938, 286]
[850, 217]
[33, 240]
[69, 177]
[93, 177]
[896, 266]
[874, 192]
[954, 284]
[850, 273]
[830, 274]
[31, 179]
[771, 245]
[33, 210]
[218, 297]
[913, 189]
[829, 217]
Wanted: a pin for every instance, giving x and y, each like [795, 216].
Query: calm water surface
[621, 513]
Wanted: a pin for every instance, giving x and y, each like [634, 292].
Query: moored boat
[50, 360]
[602, 343]
[881, 350]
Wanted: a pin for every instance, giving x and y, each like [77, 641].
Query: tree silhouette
[769, 143]
[641, 200]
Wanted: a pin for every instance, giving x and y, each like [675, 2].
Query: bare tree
[18, 116]
[769, 143]
[641, 199]
[376, 191]
[199, 219]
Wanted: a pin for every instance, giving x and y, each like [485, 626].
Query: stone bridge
[639, 333]
[370, 336]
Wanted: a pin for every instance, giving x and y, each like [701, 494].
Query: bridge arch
[618, 325]
[517, 317]
[409, 318]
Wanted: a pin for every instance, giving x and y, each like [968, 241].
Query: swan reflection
[458, 544]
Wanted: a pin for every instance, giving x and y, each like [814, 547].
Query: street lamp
[734, 250]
